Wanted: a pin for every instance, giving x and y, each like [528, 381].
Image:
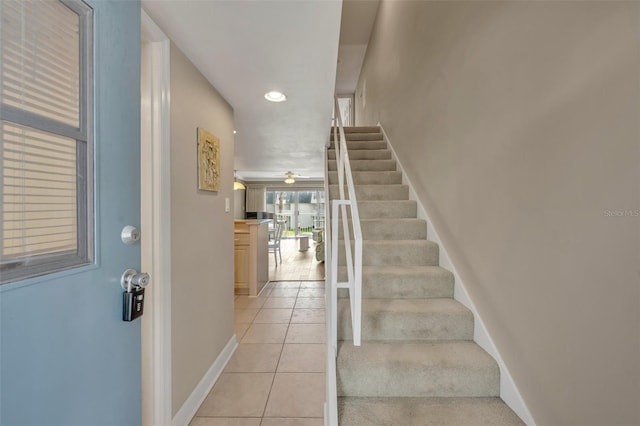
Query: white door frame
[155, 220]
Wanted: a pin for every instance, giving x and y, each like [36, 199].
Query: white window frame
[11, 271]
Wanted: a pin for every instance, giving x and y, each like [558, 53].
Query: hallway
[276, 376]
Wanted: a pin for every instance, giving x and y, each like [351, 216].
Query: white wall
[201, 231]
[519, 125]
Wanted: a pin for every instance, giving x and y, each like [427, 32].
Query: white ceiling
[246, 48]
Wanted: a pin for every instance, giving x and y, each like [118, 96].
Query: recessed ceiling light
[234, 132]
[275, 96]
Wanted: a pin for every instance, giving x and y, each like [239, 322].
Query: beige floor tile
[312, 284]
[285, 284]
[245, 315]
[237, 395]
[308, 316]
[292, 422]
[311, 292]
[296, 395]
[266, 333]
[296, 265]
[279, 303]
[284, 292]
[266, 292]
[225, 421]
[246, 302]
[254, 358]
[310, 302]
[273, 316]
[241, 328]
[304, 333]
[302, 358]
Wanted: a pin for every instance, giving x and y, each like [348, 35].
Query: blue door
[66, 356]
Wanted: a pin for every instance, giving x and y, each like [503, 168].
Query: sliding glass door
[302, 211]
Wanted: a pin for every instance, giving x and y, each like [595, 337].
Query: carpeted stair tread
[360, 136]
[402, 282]
[356, 145]
[396, 253]
[360, 129]
[372, 209]
[370, 178]
[478, 411]
[423, 369]
[374, 192]
[389, 229]
[408, 319]
[363, 154]
[366, 165]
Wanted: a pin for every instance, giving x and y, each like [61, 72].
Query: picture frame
[208, 161]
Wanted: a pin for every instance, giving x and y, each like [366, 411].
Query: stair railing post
[334, 272]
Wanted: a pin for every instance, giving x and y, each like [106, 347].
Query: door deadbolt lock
[130, 235]
[133, 283]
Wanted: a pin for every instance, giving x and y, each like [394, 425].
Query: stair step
[374, 192]
[360, 136]
[408, 319]
[360, 129]
[360, 411]
[374, 209]
[363, 154]
[423, 369]
[370, 178]
[366, 165]
[363, 145]
[402, 282]
[396, 253]
[389, 229]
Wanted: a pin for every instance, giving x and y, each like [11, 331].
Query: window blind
[44, 137]
[39, 193]
[40, 59]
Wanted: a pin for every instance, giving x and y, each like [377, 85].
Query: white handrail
[353, 260]
[331, 392]
[338, 211]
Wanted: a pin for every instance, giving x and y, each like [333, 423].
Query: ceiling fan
[290, 177]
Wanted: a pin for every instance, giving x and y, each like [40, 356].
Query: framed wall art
[208, 161]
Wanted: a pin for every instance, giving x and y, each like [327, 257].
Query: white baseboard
[197, 397]
[508, 390]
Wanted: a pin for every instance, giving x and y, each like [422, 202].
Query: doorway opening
[301, 211]
[347, 110]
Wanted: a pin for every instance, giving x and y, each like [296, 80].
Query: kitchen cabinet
[251, 256]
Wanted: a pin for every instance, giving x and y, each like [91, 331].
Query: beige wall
[202, 233]
[518, 123]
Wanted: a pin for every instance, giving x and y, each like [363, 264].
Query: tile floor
[296, 265]
[276, 375]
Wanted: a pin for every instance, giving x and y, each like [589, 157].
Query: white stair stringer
[418, 362]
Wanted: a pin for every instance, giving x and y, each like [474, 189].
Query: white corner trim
[155, 222]
[197, 397]
[331, 392]
[508, 389]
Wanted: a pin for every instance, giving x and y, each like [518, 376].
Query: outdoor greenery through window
[302, 211]
[46, 150]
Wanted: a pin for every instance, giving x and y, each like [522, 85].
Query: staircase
[418, 364]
